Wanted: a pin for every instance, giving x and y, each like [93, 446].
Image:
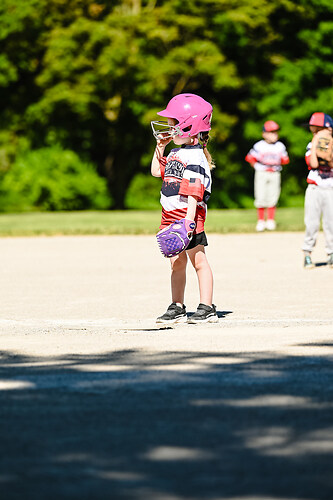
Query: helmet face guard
[162, 130]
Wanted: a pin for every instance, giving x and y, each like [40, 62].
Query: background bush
[144, 193]
[52, 179]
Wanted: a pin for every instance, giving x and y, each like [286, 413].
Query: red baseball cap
[321, 120]
[270, 126]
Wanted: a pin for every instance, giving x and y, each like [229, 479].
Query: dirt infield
[99, 402]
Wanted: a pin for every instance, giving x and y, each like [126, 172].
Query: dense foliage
[52, 179]
[88, 76]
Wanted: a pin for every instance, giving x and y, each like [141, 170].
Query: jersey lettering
[174, 168]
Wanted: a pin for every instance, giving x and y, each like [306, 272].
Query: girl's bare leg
[178, 277]
[200, 263]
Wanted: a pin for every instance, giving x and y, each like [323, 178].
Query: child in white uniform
[267, 157]
[319, 193]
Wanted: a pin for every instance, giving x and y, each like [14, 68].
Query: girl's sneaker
[174, 314]
[330, 260]
[204, 314]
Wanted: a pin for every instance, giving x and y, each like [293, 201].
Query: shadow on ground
[170, 425]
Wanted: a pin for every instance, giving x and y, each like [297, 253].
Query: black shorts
[198, 239]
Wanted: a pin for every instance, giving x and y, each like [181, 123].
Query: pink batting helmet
[193, 113]
[270, 126]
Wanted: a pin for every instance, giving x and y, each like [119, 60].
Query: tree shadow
[166, 425]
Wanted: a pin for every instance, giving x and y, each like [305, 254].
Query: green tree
[90, 76]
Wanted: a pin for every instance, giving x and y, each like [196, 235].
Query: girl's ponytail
[204, 138]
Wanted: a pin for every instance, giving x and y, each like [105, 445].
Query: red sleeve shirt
[186, 173]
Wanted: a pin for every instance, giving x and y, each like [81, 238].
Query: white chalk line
[150, 324]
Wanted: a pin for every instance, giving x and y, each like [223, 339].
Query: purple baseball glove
[175, 238]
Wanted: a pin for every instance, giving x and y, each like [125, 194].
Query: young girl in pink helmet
[186, 187]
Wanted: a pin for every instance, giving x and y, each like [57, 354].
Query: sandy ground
[99, 402]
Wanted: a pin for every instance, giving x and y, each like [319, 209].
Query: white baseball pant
[267, 188]
[318, 202]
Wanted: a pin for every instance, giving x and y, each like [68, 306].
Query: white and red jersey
[185, 172]
[268, 157]
[321, 176]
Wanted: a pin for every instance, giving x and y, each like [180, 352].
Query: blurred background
[81, 80]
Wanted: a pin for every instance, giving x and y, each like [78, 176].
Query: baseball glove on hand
[175, 238]
[324, 146]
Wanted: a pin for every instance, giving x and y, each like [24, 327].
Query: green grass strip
[135, 222]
